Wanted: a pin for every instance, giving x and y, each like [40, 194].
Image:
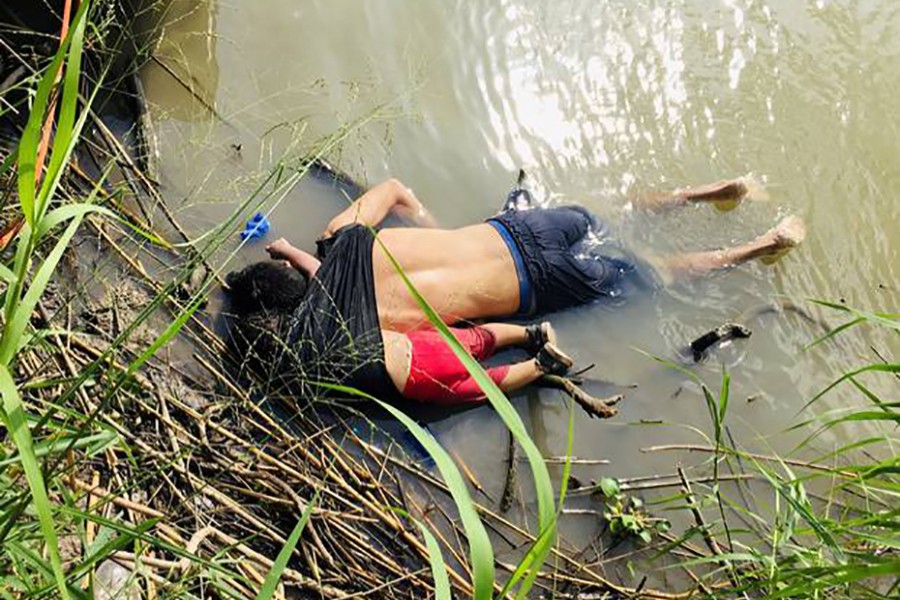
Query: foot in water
[768, 247]
[725, 195]
[790, 232]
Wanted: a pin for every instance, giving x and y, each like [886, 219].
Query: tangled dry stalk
[197, 480]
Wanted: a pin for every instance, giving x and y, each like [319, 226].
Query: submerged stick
[509, 488]
[594, 407]
[788, 461]
[471, 476]
[704, 528]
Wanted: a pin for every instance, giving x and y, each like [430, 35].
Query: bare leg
[506, 334]
[726, 193]
[520, 375]
[771, 245]
[512, 335]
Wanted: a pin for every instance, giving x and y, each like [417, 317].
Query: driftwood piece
[512, 479]
[594, 407]
[729, 331]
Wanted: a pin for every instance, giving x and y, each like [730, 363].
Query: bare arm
[372, 207]
[302, 261]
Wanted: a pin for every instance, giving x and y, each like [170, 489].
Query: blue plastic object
[256, 227]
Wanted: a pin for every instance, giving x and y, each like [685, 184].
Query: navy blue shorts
[564, 265]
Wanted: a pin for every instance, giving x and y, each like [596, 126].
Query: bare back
[463, 273]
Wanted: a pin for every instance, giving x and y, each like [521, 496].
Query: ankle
[538, 334]
[553, 361]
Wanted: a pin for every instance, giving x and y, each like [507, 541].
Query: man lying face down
[346, 317]
[318, 331]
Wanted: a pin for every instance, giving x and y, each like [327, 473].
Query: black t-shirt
[334, 336]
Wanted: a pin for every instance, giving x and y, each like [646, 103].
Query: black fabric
[334, 336]
[567, 269]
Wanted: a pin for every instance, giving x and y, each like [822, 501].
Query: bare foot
[725, 195]
[790, 232]
[728, 189]
[755, 189]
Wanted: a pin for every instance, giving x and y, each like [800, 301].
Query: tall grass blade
[804, 510]
[543, 485]
[93, 442]
[889, 320]
[17, 424]
[880, 367]
[28, 144]
[523, 569]
[10, 160]
[21, 265]
[724, 394]
[66, 135]
[7, 275]
[811, 583]
[442, 590]
[481, 554]
[567, 466]
[161, 340]
[834, 332]
[21, 314]
[527, 569]
[270, 583]
[438, 567]
[69, 211]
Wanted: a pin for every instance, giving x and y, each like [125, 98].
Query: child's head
[271, 286]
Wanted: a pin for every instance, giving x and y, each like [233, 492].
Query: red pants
[437, 376]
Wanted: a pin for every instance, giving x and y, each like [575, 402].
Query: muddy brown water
[596, 101]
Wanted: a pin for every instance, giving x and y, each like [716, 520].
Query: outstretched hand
[280, 249]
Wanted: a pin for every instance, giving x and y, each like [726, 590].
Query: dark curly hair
[262, 297]
[265, 286]
[257, 341]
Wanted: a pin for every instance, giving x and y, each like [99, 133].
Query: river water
[597, 101]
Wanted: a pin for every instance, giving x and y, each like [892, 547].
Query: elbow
[398, 192]
[394, 187]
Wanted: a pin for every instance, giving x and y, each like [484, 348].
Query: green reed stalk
[18, 307]
[842, 545]
[547, 516]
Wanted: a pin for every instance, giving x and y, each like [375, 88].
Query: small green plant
[626, 516]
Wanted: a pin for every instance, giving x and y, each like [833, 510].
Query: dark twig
[594, 407]
[512, 480]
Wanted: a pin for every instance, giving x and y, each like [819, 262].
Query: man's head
[265, 286]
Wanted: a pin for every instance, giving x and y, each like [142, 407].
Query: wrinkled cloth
[437, 376]
[334, 336]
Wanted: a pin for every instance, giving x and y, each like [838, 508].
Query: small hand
[280, 248]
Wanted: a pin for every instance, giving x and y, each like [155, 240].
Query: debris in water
[256, 227]
[721, 334]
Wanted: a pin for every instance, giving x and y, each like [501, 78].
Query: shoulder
[325, 243]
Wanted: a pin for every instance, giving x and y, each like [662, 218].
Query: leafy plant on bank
[21, 295]
[830, 527]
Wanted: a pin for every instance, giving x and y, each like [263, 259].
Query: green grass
[829, 532]
[19, 302]
[830, 528]
[482, 555]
